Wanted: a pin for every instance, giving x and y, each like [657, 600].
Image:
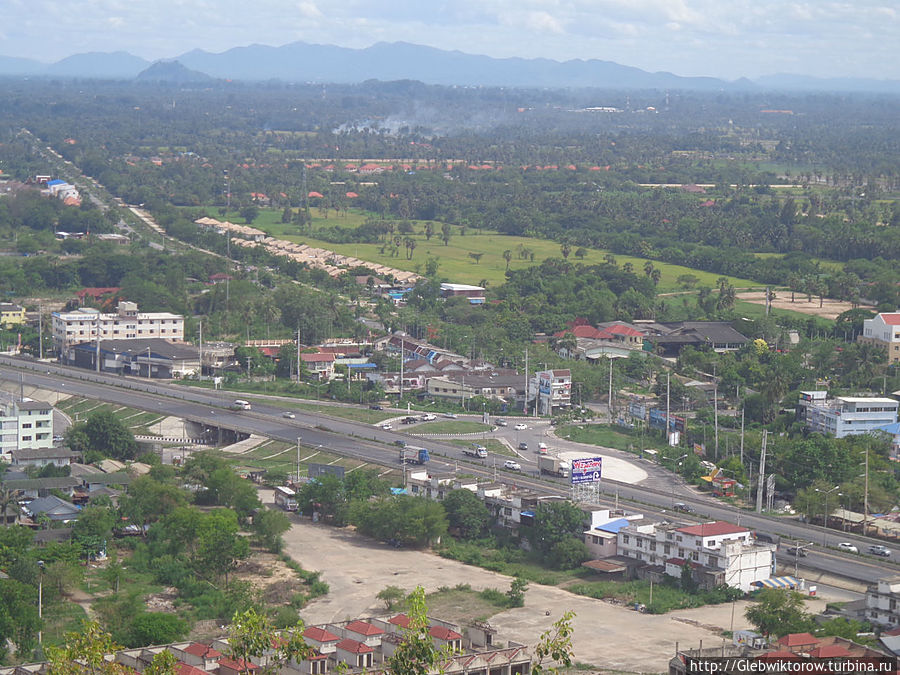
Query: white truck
[554, 466]
[286, 498]
[475, 450]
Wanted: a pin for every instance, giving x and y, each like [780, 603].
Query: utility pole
[40, 332]
[201, 348]
[760, 478]
[716, 409]
[402, 349]
[742, 435]
[866, 497]
[299, 438]
[97, 354]
[609, 404]
[668, 408]
[525, 405]
[298, 352]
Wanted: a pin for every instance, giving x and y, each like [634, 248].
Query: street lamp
[675, 462]
[825, 524]
[40, 564]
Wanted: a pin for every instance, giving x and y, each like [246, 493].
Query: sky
[717, 38]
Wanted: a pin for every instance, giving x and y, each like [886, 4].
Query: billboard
[658, 421]
[315, 470]
[586, 470]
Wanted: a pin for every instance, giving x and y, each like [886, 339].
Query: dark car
[795, 551]
[375, 406]
[523, 446]
[683, 508]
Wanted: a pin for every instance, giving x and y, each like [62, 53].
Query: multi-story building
[11, 315]
[883, 602]
[850, 415]
[85, 324]
[718, 553]
[25, 425]
[883, 330]
[552, 390]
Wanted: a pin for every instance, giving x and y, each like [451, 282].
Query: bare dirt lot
[830, 309]
[607, 636]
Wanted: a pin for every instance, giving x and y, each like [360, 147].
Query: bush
[285, 617]
[495, 597]
[155, 628]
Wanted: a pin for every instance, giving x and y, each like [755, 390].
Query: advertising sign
[586, 470]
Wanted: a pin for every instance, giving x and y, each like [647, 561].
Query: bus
[240, 404]
[286, 498]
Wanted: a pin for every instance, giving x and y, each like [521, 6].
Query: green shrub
[285, 617]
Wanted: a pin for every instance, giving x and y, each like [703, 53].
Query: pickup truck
[475, 451]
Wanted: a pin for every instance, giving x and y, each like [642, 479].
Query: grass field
[611, 437]
[454, 259]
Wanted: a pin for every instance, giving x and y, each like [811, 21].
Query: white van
[240, 404]
[542, 448]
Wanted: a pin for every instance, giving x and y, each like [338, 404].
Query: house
[197, 654]
[53, 507]
[883, 330]
[669, 338]
[34, 488]
[850, 415]
[96, 294]
[41, 457]
[318, 366]
[883, 602]
[11, 315]
[718, 553]
[475, 294]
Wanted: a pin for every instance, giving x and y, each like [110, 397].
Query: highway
[368, 443]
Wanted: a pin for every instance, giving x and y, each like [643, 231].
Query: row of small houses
[354, 646]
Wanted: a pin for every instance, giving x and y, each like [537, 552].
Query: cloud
[308, 9]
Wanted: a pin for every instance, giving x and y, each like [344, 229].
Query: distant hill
[305, 62]
[172, 72]
[99, 65]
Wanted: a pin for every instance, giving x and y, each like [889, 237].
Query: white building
[850, 415]
[883, 602]
[883, 330]
[552, 389]
[83, 325]
[25, 425]
[719, 553]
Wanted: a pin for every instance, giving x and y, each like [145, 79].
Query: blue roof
[893, 429]
[528, 513]
[613, 526]
[363, 365]
[55, 182]
[398, 491]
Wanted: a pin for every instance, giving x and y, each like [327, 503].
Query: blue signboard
[586, 470]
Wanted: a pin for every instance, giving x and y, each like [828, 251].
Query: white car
[289, 415]
[514, 466]
[848, 547]
[386, 427]
[429, 417]
[521, 427]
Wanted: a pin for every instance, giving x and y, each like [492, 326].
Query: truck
[554, 466]
[413, 455]
[286, 498]
[475, 450]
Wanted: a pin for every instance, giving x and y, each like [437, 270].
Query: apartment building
[11, 315]
[718, 553]
[84, 325]
[552, 389]
[25, 425]
[850, 415]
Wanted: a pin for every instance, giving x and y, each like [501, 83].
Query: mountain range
[305, 62]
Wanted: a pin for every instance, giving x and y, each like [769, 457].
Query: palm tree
[9, 505]
[507, 256]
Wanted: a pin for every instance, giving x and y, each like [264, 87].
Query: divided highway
[372, 444]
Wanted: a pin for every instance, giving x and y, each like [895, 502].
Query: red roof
[622, 329]
[363, 628]
[315, 195]
[891, 319]
[199, 649]
[581, 332]
[797, 640]
[442, 633]
[352, 195]
[713, 529]
[320, 634]
[317, 358]
[354, 646]
[892, 632]
[184, 669]
[400, 620]
[829, 651]
[238, 664]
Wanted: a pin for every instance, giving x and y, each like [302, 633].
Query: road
[371, 444]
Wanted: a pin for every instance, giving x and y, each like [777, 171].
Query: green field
[454, 259]
[451, 427]
[607, 436]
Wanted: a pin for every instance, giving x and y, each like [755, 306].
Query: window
[695, 556]
[652, 545]
[625, 539]
[666, 549]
